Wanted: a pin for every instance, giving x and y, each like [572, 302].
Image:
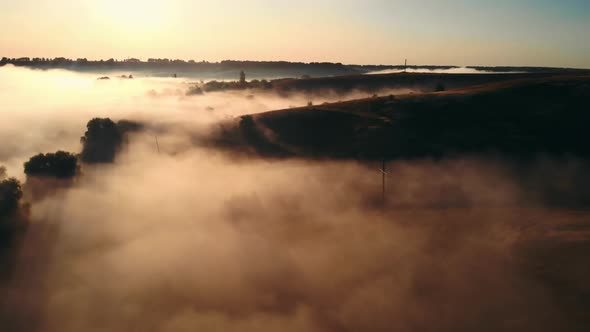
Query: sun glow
[133, 15]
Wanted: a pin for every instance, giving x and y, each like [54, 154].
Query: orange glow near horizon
[362, 32]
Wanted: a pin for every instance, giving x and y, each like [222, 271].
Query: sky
[455, 32]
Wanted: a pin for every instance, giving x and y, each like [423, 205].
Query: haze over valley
[315, 189]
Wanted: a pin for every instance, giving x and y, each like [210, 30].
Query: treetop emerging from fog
[60, 164]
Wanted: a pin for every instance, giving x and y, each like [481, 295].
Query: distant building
[242, 77]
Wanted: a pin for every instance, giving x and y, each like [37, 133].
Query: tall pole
[383, 178]
[406, 65]
[383, 182]
[157, 145]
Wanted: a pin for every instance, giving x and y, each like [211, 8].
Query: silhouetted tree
[101, 141]
[242, 77]
[103, 138]
[59, 165]
[10, 195]
[11, 221]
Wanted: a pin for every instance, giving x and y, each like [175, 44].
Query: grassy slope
[425, 82]
[519, 118]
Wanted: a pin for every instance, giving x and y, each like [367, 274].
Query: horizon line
[193, 61]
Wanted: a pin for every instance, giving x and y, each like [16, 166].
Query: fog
[460, 70]
[190, 238]
[48, 110]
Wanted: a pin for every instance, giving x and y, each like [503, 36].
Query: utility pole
[157, 145]
[406, 65]
[383, 178]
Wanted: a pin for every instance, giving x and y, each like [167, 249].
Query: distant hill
[230, 69]
[424, 82]
[519, 118]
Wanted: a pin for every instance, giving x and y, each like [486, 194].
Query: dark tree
[59, 165]
[10, 195]
[101, 141]
[242, 77]
[11, 221]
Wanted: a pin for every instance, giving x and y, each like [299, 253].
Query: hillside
[423, 82]
[518, 118]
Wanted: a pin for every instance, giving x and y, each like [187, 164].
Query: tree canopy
[103, 138]
[60, 164]
[10, 194]
[101, 141]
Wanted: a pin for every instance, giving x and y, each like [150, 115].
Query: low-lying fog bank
[178, 236]
[44, 111]
[454, 70]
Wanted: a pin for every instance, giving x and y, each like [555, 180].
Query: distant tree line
[164, 62]
[315, 68]
[213, 86]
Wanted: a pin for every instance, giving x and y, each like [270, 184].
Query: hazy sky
[461, 32]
